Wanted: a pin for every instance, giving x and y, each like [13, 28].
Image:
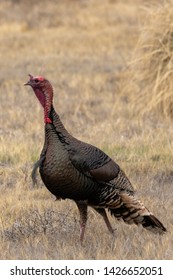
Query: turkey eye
[36, 80]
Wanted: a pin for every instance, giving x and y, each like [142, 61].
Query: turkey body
[79, 171]
[59, 174]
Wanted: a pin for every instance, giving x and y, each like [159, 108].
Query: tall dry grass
[150, 72]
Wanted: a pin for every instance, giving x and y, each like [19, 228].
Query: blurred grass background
[110, 63]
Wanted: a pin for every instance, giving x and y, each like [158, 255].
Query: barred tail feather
[152, 223]
[132, 211]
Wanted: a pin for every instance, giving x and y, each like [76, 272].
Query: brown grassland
[110, 63]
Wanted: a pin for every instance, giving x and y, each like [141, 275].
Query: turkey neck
[57, 122]
[57, 126]
[58, 129]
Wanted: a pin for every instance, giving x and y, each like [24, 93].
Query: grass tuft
[150, 73]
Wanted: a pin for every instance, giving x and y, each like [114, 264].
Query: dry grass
[83, 47]
[150, 71]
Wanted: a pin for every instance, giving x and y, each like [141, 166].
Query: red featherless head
[44, 92]
[38, 82]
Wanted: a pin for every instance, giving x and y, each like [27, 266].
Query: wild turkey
[79, 171]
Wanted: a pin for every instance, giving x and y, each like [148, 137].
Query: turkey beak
[28, 83]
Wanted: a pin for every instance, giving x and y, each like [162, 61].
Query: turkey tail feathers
[153, 224]
[132, 211]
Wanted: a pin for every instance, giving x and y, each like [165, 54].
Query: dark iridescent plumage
[79, 171]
